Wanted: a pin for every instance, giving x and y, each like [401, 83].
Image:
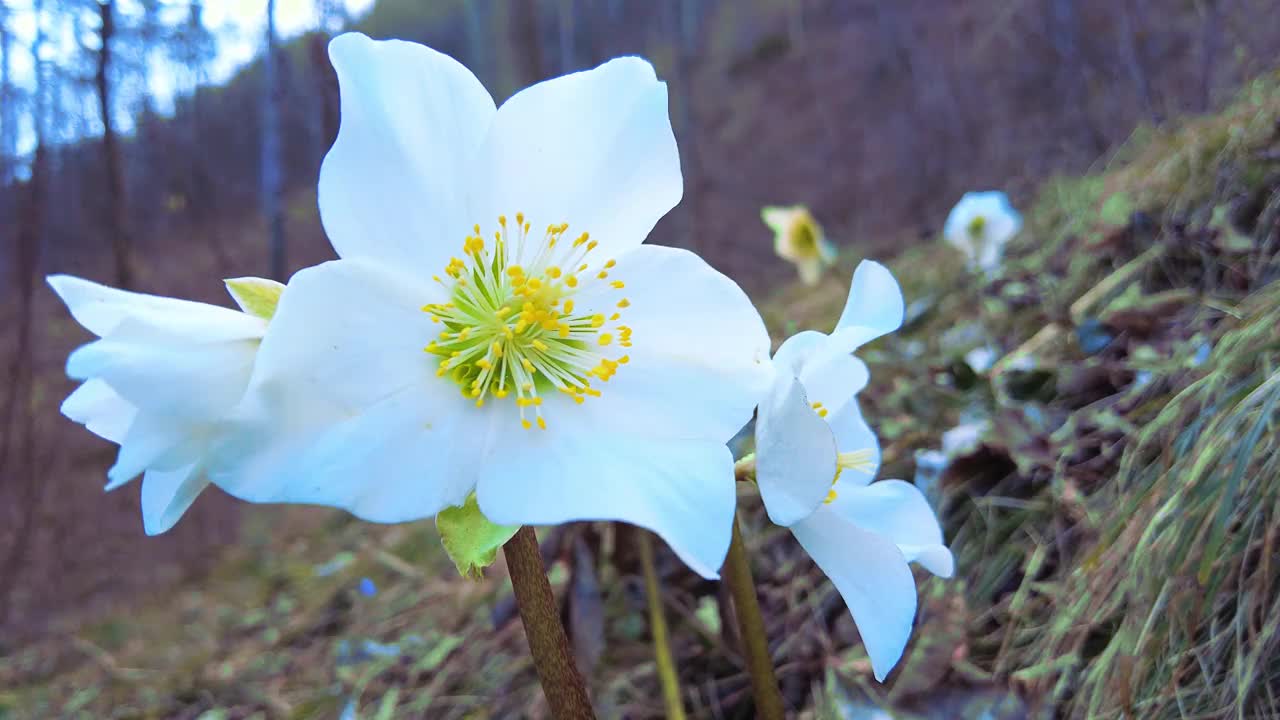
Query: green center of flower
[976, 227]
[511, 326]
[804, 237]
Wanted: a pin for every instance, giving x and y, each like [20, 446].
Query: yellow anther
[597, 321]
[497, 350]
[605, 339]
[542, 424]
[614, 316]
[591, 391]
[568, 304]
[534, 284]
[624, 359]
[618, 284]
[831, 496]
[571, 281]
[503, 311]
[592, 245]
[527, 387]
[515, 271]
[528, 366]
[483, 365]
[502, 220]
[602, 274]
[624, 303]
[539, 346]
[563, 329]
[520, 218]
[610, 264]
[553, 272]
[526, 423]
[455, 354]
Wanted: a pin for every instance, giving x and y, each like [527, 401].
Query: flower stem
[552, 656]
[658, 628]
[755, 644]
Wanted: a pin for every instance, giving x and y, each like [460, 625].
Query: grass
[1116, 530]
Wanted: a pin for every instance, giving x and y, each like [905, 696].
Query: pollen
[514, 325]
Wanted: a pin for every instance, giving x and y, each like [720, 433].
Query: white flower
[495, 322]
[159, 383]
[799, 239]
[815, 458]
[980, 225]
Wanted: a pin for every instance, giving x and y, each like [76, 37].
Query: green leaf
[470, 539]
[255, 296]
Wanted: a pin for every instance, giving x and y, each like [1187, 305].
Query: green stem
[658, 628]
[755, 644]
[552, 656]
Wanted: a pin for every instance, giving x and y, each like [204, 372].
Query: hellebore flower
[816, 457]
[798, 238]
[495, 324]
[980, 225]
[161, 381]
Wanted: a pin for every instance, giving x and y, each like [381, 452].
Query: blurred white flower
[495, 323]
[798, 238]
[161, 381]
[980, 225]
[816, 457]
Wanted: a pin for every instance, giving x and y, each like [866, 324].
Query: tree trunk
[526, 40]
[272, 176]
[121, 243]
[565, 16]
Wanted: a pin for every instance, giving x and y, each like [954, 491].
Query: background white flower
[159, 383]
[798, 238]
[816, 457]
[980, 225]
[495, 322]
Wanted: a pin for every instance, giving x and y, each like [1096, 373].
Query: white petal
[351, 332]
[393, 185]
[699, 364]
[681, 490]
[166, 495]
[344, 407]
[875, 306]
[810, 269]
[154, 442]
[160, 372]
[853, 435]
[898, 511]
[795, 453]
[873, 578]
[795, 351]
[833, 379]
[103, 412]
[829, 373]
[399, 459]
[593, 149]
[101, 309]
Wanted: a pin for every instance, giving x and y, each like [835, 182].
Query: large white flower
[495, 322]
[815, 458]
[160, 383]
[980, 225]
